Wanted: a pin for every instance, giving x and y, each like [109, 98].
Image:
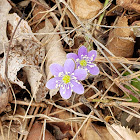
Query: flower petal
[65, 92]
[72, 56]
[92, 55]
[82, 51]
[51, 84]
[80, 74]
[56, 69]
[77, 87]
[93, 70]
[69, 66]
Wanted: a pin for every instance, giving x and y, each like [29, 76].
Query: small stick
[8, 49]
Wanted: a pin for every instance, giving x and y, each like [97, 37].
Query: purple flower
[66, 78]
[85, 60]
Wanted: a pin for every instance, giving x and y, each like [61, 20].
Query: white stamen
[60, 74]
[86, 69]
[72, 85]
[77, 59]
[56, 85]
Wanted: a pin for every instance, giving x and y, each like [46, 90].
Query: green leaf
[136, 84]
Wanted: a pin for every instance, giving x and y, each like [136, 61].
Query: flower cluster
[67, 78]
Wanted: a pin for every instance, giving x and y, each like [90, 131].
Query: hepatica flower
[85, 59]
[67, 78]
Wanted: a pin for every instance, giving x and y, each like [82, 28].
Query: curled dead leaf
[54, 48]
[86, 9]
[26, 52]
[37, 82]
[121, 40]
[26, 43]
[130, 4]
[4, 10]
[15, 63]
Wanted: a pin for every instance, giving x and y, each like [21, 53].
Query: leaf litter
[31, 111]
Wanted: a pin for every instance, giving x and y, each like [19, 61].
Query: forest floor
[69, 69]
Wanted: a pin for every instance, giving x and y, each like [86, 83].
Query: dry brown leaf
[130, 4]
[115, 89]
[126, 133]
[16, 62]
[26, 52]
[86, 9]
[36, 130]
[138, 134]
[38, 12]
[63, 128]
[91, 133]
[27, 44]
[21, 56]
[33, 54]
[121, 40]
[5, 95]
[72, 18]
[137, 29]
[39, 15]
[12, 136]
[37, 82]
[24, 3]
[54, 48]
[18, 125]
[4, 10]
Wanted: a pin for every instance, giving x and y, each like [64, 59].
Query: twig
[8, 49]
[6, 66]
[96, 112]
[101, 11]
[82, 125]
[137, 105]
[131, 113]
[97, 43]
[31, 123]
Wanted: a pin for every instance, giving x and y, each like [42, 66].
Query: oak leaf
[121, 40]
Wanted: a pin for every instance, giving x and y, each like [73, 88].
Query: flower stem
[102, 15]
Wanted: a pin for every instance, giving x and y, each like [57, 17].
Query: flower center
[83, 63]
[66, 79]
